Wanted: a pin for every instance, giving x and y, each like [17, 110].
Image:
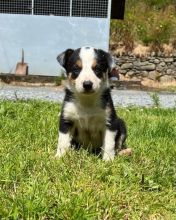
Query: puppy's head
[87, 69]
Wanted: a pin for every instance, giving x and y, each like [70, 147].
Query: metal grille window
[16, 6]
[90, 8]
[76, 8]
[52, 7]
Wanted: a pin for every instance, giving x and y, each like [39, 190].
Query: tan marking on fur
[79, 63]
[94, 63]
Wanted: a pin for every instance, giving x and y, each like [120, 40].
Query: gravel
[120, 97]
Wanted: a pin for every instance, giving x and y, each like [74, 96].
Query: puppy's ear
[114, 73]
[110, 60]
[64, 57]
[112, 65]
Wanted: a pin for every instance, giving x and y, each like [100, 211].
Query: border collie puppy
[88, 118]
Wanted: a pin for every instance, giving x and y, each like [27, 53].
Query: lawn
[34, 185]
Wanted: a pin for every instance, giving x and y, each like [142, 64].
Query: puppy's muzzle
[88, 86]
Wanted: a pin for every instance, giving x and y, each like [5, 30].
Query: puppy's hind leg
[121, 134]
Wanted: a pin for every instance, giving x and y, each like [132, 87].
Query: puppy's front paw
[63, 144]
[108, 156]
[125, 152]
[60, 152]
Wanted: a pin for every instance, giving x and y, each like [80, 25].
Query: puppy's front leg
[64, 140]
[108, 151]
[64, 143]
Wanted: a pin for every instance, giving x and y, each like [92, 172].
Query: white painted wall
[44, 37]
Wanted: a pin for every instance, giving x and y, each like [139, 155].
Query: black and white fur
[88, 117]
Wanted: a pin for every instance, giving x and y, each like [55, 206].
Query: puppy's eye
[76, 69]
[97, 70]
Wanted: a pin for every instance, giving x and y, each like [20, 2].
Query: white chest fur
[89, 121]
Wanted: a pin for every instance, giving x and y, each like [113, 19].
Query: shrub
[122, 32]
[148, 21]
[59, 79]
[159, 4]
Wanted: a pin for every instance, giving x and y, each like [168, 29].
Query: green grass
[34, 185]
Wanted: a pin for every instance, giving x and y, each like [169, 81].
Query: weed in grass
[59, 79]
[34, 185]
[155, 99]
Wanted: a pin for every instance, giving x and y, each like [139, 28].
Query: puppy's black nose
[87, 85]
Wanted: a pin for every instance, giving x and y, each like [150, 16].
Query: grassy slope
[147, 22]
[33, 185]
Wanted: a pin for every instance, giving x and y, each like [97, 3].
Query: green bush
[159, 4]
[147, 21]
[123, 32]
[59, 79]
[155, 31]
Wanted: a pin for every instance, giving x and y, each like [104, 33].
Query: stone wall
[156, 68]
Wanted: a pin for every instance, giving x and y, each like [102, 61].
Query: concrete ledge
[53, 81]
[9, 78]
[124, 84]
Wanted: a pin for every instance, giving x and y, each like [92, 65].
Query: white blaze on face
[87, 56]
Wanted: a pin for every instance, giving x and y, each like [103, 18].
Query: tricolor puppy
[88, 117]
